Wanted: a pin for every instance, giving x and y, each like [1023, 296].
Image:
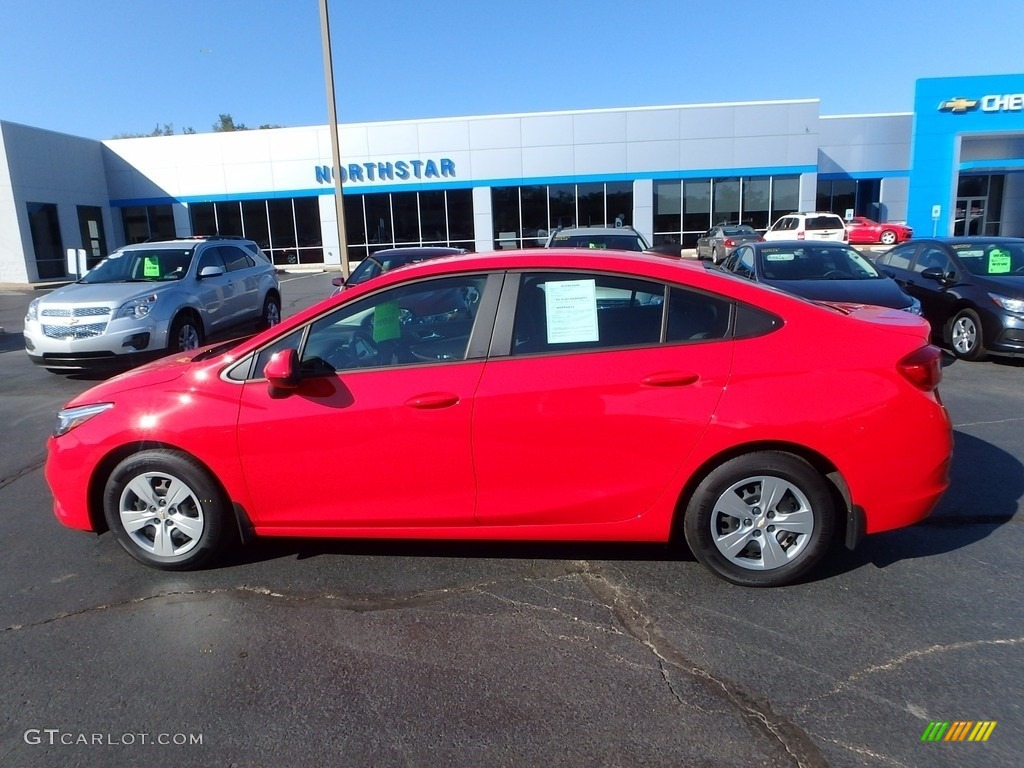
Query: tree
[227, 123]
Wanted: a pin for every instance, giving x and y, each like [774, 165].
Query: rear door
[590, 404]
[244, 300]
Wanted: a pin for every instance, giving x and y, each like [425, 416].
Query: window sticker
[999, 262]
[571, 310]
[150, 266]
[385, 321]
[779, 256]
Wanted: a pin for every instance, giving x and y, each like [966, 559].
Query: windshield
[991, 259]
[815, 262]
[141, 266]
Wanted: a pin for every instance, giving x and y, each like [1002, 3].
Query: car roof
[953, 240]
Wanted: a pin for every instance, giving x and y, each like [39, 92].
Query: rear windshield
[741, 230]
[824, 222]
[617, 242]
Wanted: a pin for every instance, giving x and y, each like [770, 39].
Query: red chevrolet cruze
[539, 395]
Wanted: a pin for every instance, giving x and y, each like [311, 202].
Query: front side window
[423, 322]
[897, 257]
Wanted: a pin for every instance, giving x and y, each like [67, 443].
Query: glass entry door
[970, 216]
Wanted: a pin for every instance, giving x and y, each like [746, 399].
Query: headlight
[70, 418]
[914, 308]
[1010, 305]
[33, 311]
[137, 308]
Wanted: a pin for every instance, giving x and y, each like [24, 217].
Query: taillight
[729, 242]
[846, 236]
[922, 367]
[800, 235]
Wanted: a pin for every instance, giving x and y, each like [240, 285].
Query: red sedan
[865, 231]
[537, 395]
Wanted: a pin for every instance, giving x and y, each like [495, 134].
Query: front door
[90, 226]
[969, 218]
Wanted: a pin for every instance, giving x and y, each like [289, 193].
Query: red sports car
[865, 231]
[540, 395]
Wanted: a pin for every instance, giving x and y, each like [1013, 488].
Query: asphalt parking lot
[352, 653]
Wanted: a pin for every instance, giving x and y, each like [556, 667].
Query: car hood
[108, 294]
[157, 372]
[1010, 285]
[883, 293]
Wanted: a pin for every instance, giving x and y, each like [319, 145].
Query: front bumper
[123, 343]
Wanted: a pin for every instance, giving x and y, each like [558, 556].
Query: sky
[104, 68]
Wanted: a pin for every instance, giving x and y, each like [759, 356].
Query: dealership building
[955, 165]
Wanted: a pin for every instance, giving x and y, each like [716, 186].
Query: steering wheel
[363, 350]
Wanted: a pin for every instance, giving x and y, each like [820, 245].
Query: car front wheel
[166, 510]
[761, 520]
[185, 334]
[965, 336]
[888, 237]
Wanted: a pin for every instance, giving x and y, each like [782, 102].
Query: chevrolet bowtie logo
[958, 105]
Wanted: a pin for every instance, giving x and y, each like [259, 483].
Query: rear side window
[897, 257]
[558, 312]
[235, 258]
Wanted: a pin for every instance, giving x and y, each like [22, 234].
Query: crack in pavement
[757, 712]
[905, 658]
[37, 462]
[624, 605]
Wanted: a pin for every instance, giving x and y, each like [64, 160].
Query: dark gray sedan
[720, 241]
[820, 271]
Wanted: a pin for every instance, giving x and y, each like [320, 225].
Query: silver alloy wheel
[762, 523]
[188, 337]
[964, 335]
[271, 314]
[162, 514]
[888, 237]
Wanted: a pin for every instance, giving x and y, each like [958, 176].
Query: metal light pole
[332, 118]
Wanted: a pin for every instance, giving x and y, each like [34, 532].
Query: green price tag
[150, 266]
[999, 262]
[385, 322]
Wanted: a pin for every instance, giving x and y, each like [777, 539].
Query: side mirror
[936, 273]
[338, 282]
[211, 272]
[282, 372]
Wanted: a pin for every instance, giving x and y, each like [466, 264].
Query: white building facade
[494, 182]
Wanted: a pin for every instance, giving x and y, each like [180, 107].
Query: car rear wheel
[166, 510]
[185, 334]
[761, 520]
[965, 336]
[714, 256]
[888, 237]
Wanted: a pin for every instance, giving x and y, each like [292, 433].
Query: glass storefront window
[203, 216]
[727, 201]
[378, 219]
[785, 195]
[46, 240]
[696, 209]
[562, 206]
[619, 202]
[755, 202]
[229, 218]
[433, 221]
[254, 222]
[461, 227]
[668, 207]
[535, 216]
[307, 229]
[590, 205]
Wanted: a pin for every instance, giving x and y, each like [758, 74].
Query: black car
[820, 271]
[391, 258]
[971, 290]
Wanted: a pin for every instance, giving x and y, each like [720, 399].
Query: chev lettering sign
[1010, 102]
[402, 170]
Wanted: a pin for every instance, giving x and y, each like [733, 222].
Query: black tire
[271, 314]
[714, 256]
[173, 534]
[186, 334]
[803, 502]
[965, 335]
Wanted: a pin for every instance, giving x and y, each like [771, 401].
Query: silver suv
[816, 225]
[151, 299]
[618, 238]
